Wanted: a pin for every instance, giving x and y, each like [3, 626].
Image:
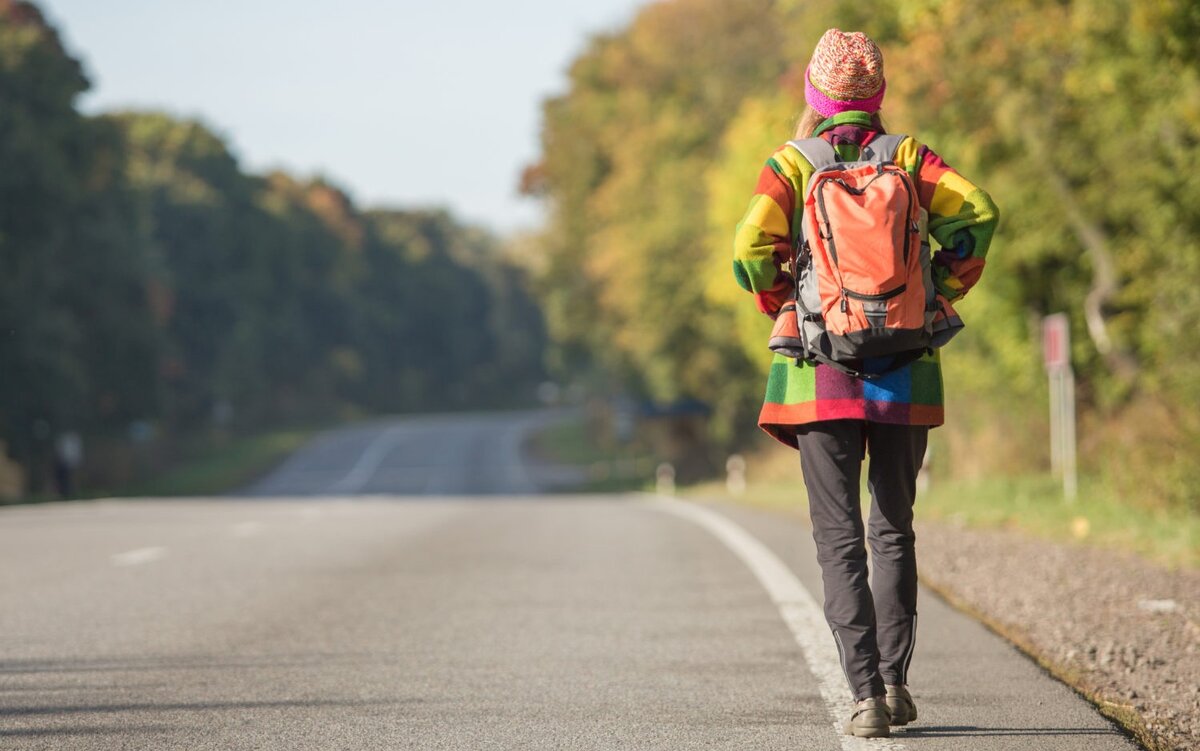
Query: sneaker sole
[868, 732]
[876, 728]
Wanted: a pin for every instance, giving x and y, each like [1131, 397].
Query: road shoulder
[1122, 632]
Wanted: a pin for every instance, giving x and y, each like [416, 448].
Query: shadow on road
[197, 662]
[84, 730]
[946, 731]
[202, 706]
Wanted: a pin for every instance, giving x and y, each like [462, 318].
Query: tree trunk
[1104, 283]
[1091, 236]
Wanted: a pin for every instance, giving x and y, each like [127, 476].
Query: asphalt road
[452, 454]
[310, 617]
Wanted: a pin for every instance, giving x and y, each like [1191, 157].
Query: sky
[403, 103]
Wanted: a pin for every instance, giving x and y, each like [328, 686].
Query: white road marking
[311, 513]
[246, 529]
[1158, 606]
[138, 556]
[368, 464]
[799, 610]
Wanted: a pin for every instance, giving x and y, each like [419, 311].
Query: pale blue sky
[401, 102]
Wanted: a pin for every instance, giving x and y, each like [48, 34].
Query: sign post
[1056, 352]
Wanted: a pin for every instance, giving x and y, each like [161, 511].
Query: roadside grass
[207, 467]
[1097, 517]
[1033, 504]
[566, 442]
[219, 468]
[609, 468]
[775, 495]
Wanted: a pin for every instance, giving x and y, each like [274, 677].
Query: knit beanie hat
[845, 73]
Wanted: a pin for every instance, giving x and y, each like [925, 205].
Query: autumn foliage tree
[1081, 118]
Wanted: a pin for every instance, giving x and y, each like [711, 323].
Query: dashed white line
[138, 556]
[311, 513]
[246, 529]
[799, 610]
[368, 463]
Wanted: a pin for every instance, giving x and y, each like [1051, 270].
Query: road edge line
[799, 610]
[138, 556]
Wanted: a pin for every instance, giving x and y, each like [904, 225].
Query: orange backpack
[861, 265]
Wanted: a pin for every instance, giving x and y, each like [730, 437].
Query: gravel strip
[1123, 631]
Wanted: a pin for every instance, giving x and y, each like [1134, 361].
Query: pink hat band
[829, 106]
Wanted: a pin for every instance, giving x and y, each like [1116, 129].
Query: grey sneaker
[901, 705]
[869, 719]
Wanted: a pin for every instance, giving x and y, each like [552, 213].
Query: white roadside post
[735, 474]
[1056, 352]
[664, 479]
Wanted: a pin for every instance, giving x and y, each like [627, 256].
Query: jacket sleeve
[762, 243]
[962, 218]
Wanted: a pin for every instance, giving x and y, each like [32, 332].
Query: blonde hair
[810, 119]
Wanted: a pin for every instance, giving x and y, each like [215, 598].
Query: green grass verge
[609, 469]
[1031, 504]
[566, 442]
[222, 468]
[1098, 516]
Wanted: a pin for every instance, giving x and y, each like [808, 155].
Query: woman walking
[837, 412]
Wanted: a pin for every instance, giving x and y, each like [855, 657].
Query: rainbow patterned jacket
[962, 219]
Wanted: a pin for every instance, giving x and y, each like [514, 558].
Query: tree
[76, 344]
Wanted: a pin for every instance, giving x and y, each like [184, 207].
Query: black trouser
[874, 634]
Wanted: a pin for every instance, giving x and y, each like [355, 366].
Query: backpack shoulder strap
[883, 148]
[820, 153]
[817, 151]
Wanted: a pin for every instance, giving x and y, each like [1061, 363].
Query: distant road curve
[469, 453]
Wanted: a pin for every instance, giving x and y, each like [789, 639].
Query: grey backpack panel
[817, 151]
[883, 148]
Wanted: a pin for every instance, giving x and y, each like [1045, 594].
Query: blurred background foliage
[1082, 119]
[154, 293]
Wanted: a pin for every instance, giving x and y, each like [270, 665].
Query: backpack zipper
[909, 231]
[876, 297]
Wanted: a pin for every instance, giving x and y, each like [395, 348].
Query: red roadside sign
[1056, 341]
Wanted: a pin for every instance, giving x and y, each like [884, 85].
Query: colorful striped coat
[962, 219]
